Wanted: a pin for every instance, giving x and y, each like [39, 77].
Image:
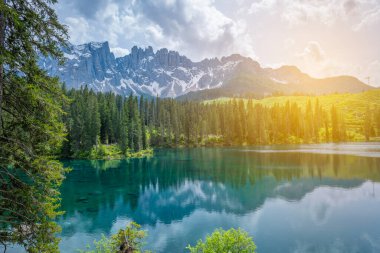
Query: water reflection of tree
[101, 191]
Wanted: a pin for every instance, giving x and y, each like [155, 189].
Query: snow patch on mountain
[163, 73]
[279, 81]
[166, 73]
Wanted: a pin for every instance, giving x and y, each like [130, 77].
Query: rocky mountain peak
[166, 73]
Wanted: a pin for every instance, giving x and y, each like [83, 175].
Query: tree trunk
[2, 49]
[126, 248]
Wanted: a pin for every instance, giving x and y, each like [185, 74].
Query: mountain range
[166, 73]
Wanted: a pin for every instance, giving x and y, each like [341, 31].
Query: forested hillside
[352, 106]
[134, 124]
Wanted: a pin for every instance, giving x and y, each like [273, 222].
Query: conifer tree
[124, 128]
[335, 125]
[139, 123]
[377, 119]
[367, 124]
[30, 128]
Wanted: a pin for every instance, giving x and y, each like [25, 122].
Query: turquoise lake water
[293, 198]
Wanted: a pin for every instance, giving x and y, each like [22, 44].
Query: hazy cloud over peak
[314, 52]
[347, 29]
[195, 27]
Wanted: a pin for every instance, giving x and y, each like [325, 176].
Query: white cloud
[111, 24]
[314, 61]
[370, 18]
[278, 29]
[194, 27]
[119, 51]
[79, 29]
[360, 13]
[302, 12]
[260, 5]
[313, 52]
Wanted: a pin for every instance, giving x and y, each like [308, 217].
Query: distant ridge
[166, 73]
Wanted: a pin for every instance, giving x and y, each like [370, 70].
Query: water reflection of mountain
[171, 185]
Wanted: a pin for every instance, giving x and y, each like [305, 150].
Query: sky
[321, 37]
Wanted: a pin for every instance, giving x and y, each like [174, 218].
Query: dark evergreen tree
[335, 134]
[135, 124]
[30, 128]
[368, 124]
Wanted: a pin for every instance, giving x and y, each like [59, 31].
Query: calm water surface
[295, 198]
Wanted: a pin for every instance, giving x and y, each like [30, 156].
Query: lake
[290, 198]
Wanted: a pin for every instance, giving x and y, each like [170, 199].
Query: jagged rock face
[142, 72]
[85, 64]
[166, 73]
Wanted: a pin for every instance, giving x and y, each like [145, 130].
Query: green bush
[221, 241]
[100, 151]
[131, 237]
[138, 154]
[111, 152]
